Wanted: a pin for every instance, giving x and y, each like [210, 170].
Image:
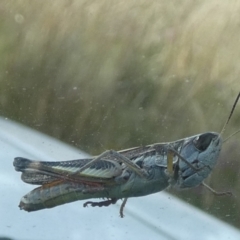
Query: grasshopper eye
[203, 141]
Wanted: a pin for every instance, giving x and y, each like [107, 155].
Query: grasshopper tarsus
[122, 207]
[105, 203]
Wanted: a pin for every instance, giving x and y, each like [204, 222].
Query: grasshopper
[115, 175]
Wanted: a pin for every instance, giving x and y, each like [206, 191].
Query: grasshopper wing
[38, 172]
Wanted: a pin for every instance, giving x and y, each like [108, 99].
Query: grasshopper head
[202, 152]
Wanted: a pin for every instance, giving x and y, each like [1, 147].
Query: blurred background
[105, 74]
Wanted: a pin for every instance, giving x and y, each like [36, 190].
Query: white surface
[157, 216]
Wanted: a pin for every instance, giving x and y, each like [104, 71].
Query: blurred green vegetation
[116, 74]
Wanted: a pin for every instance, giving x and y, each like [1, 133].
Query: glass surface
[104, 75]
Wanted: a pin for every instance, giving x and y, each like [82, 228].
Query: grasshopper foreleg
[215, 192]
[170, 155]
[111, 153]
[170, 170]
[172, 151]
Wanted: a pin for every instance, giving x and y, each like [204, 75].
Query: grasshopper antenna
[230, 115]
[231, 135]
